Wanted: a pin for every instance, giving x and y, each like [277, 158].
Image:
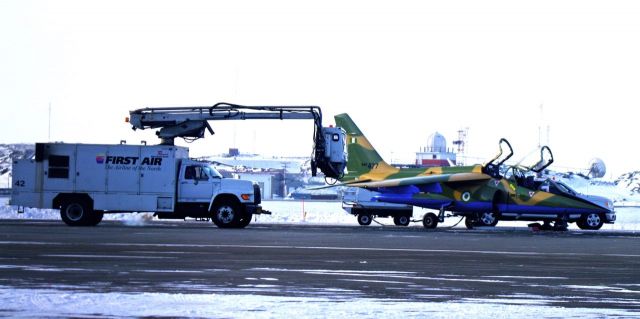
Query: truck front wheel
[593, 221]
[226, 214]
[245, 221]
[76, 213]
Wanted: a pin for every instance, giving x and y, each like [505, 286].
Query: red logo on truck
[128, 160]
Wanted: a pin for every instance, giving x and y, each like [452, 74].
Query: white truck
[85, 181]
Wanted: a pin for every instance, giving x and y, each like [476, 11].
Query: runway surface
[575, 269]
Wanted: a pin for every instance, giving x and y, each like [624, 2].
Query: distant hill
[9, 152]
[630, 181]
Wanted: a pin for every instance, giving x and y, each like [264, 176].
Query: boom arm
[190, 122]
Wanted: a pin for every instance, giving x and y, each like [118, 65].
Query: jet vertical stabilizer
[364, 161]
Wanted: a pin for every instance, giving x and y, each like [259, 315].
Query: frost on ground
[311, 213]
[71, 303]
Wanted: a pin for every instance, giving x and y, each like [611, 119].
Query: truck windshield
[212, 172]
[565, 188]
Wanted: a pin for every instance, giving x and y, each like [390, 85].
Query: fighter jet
[482, 193]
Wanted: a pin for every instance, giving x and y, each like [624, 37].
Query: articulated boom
[190, 122]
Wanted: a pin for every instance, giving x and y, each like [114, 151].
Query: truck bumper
[253, 209]
[610, 217]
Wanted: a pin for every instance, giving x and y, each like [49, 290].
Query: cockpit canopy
[523, 177]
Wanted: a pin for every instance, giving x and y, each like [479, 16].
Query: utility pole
[540, 128]
[49, 135]
[284, 179]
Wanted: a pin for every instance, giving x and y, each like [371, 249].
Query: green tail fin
[362, 157]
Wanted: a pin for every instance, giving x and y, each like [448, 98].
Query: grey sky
[402, 69]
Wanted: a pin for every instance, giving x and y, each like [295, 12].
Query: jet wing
[349, 183]
[422, 180]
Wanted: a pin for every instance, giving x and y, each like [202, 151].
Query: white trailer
[85, 181]
[361, 203]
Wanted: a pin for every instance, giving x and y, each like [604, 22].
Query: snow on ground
[72, 303]
[313, 213]
[80, 302]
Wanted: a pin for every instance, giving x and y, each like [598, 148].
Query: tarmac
[586, 269]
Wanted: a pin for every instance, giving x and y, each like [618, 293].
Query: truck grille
[256, 194]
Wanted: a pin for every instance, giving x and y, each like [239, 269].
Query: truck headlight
[246, 196]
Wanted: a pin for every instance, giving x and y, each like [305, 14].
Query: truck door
[196, 185]
[59, 167]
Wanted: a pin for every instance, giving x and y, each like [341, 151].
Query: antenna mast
[49, 130]
[461, 142]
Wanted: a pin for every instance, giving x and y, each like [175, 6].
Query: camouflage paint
[367, 169]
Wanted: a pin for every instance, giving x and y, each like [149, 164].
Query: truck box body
[116, 177]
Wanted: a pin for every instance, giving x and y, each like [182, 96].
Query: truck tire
[245, 221]
[226, 214]
[364, 219]
[469, 222]
[592, 221]
[96, 218]
[487, 219]
[76, 213]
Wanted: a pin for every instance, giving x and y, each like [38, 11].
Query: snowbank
[312, 213]
[71, 303]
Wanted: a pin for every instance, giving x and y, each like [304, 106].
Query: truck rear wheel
[487, 219]
[226, 214]
[96, 218]
[76, 213]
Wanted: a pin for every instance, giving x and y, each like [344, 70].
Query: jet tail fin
[364, 162]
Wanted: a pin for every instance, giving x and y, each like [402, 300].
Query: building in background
[436, 152]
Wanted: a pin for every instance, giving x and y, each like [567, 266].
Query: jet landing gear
[430, 221]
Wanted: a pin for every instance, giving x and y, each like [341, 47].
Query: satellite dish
[597, 169]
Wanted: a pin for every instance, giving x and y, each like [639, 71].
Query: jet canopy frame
[492, 167]
[544, 162]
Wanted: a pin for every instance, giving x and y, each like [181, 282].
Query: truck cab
[203, 193]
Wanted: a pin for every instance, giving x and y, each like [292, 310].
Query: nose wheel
[430, 221]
